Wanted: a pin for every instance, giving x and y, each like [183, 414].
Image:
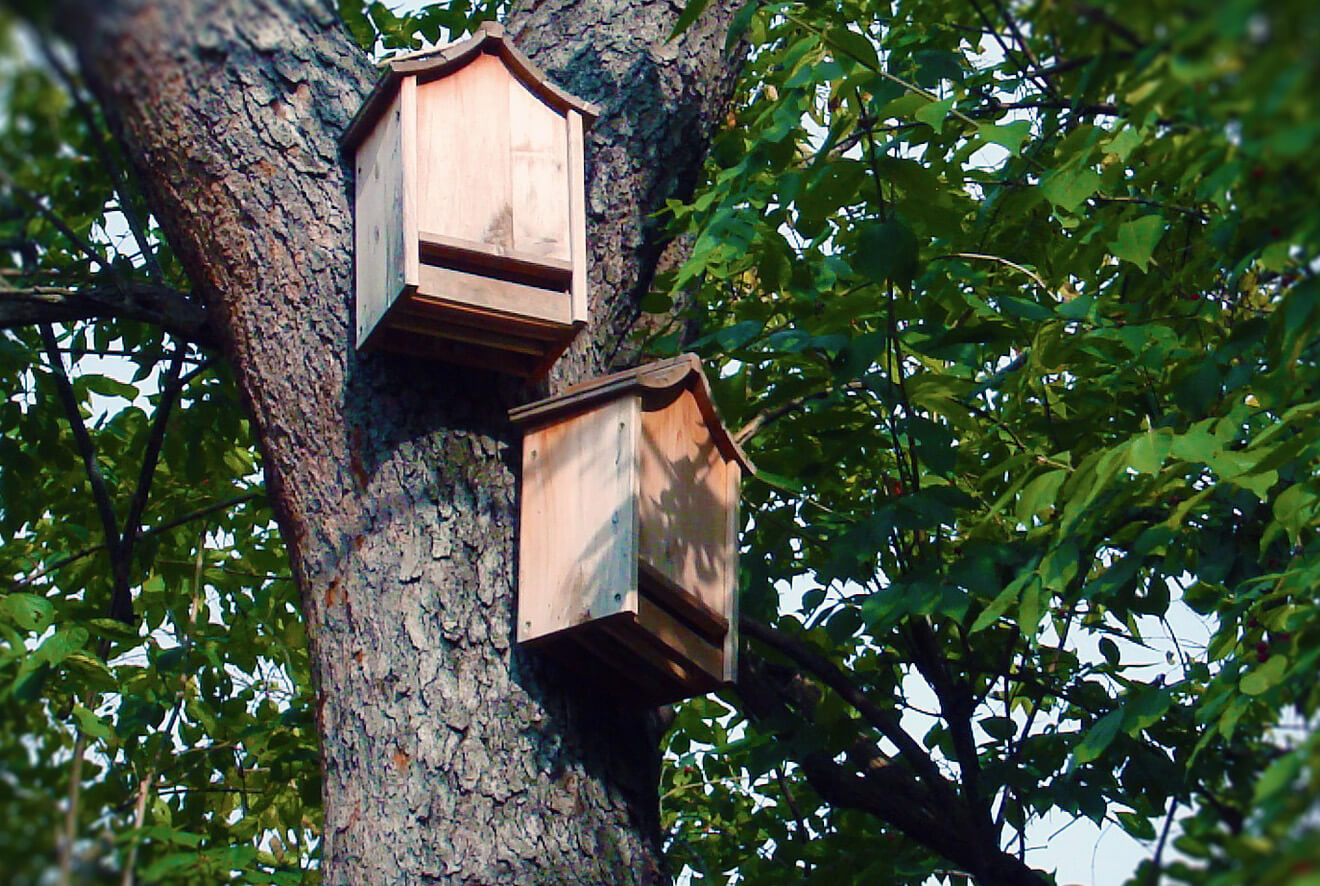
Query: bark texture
[448, 755]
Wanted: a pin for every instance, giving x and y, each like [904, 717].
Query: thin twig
[126, 204]
[100, 492]
[121, 601]
[1157, 860]
[86, 248]
[71, 814]
[830, 674]
[997, 259]
[146, 533]
[759, 421]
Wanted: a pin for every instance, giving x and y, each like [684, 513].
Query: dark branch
[830, 674]
[782, 701]
[169, 395]
[87, 249]
[146, 533]
[171, 310]
[100, 492]
[132, 213]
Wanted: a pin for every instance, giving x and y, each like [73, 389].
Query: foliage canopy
[1017, 307]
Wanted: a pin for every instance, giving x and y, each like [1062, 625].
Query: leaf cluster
[1017, 307]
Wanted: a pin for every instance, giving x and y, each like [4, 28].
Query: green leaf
[1145, 707]
[1138, 826]
[90, 724]
[28, 611]
[691, 10]
[1069, 188]
[736, 336]
[1098, 737]
[1263, 678]
[108, 387]
[1001, 728]
[887, 252]
[1280, 776]
[1136, 240]
[934, 114]
[1010, 136]
[62, 644]
[854, 45]
[999, 605]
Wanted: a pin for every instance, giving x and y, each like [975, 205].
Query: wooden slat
[602, 661]
[653, 655]
[464, 182]
[405, 322]
[451, 251]
[731, 607]
[478, 291]
[695, 650]
[538, 169]
[490, 37]
[577, 557]
[378, 238]
[684, 605]
[410, 217]
[440, 313]
[658, 381]
[577, 216]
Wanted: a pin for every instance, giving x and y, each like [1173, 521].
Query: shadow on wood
[628, 532]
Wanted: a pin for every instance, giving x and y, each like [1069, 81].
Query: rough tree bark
[448, 755]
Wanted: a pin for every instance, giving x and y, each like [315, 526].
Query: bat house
[628, 538]
[469, 221]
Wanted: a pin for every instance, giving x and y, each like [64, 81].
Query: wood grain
[378, 221]
[578, 544]
[465, 186]
[577, 216]
[494, 295]
[538, 174]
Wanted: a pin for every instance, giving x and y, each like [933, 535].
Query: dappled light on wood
[627, 542]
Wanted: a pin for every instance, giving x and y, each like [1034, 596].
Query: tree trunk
[448, 755]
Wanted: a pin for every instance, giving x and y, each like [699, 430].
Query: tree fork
[448, 755]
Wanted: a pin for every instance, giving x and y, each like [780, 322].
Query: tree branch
[121, 600]
[136, 221]
[100, 492]
[87, 249]
[775, 696]
[171, 310]
[832, 676]
[146, 533]
[774, 413]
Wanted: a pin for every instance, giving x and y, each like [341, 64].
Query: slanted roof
[431, 64]
[653, 381]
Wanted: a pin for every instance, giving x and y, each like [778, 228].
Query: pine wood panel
[500, 296]
[578, 537]
[465, 186]
[679, 637]
[379, 244]
[684, 502]
[538, 170]
[577, 214]
[731, 608]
